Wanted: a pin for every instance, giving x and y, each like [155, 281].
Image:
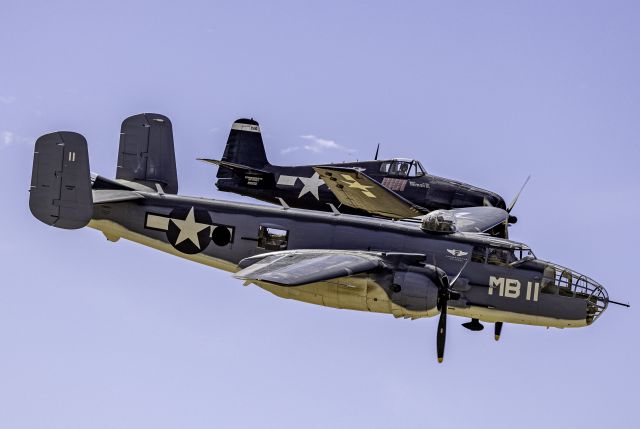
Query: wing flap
[354, 188]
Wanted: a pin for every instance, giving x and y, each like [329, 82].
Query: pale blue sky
[103, 335]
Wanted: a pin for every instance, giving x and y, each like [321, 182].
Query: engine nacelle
[414, 291]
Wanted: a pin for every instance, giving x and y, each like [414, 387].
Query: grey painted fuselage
[486, 291]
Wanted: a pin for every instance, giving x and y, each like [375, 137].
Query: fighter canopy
[402, 167]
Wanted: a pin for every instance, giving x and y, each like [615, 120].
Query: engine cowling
[414, 291]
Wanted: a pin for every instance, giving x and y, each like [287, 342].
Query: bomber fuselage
[497, 283]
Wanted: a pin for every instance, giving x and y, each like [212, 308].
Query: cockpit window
[523, 254]
[479, 254]
[400, 168]
[418, 170]
[501, 256]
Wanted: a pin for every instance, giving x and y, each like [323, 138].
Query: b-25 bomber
[439, 266]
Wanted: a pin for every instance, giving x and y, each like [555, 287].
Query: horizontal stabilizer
[101, 196]
[234, 166]
[60, 193]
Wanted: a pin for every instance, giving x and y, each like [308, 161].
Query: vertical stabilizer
[244, 146]
[60, 193]
[146, 153]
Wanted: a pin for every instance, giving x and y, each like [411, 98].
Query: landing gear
[474, 325]
[497, 330]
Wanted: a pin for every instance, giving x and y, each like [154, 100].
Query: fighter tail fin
[60, 193]
[244, 147]
[146, 153]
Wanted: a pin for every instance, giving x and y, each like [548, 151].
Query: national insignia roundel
[189, 229]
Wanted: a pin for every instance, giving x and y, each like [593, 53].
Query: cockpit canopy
[402, 167]
[439, 221]
[501, 255]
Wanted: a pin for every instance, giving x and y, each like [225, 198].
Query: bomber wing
[299, 267]
[354, 188]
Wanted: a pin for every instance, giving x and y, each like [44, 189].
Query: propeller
[444, 294]
[377, 150]
[509, 218]
[515, 199]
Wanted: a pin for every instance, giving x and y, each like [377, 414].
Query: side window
[500, 256]
[479, 254]
[384, 167]
[272, 238]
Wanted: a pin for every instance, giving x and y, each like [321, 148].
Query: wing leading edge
[299, 267]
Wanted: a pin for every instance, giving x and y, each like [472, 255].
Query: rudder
[60, 193]
[146, 154]
[244, 146]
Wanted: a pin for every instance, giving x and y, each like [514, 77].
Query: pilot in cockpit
[400, 168]
[404, 169]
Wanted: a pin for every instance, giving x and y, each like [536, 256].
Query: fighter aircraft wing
[354, 188]
[298, 267]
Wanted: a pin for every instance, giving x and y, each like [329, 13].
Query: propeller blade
[455, 279]
[497, 330]
[515, 199]
[442, 331]
[377, 150]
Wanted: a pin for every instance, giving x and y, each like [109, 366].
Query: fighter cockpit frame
[402, 167]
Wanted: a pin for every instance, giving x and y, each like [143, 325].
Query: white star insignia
[311, 184]
[189, 229]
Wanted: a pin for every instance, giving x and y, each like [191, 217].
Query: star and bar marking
[310, 185]
[185, 232]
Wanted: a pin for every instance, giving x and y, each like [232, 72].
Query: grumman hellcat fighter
[407, 269]
[244, 169]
